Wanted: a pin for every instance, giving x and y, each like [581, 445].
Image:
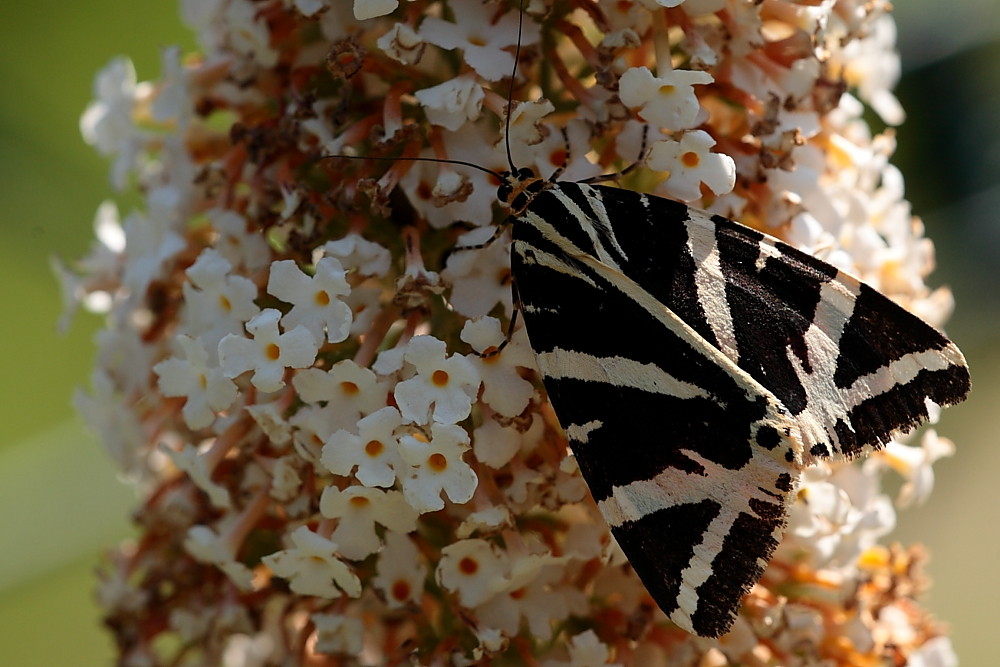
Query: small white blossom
[585, 650]
[358, 509]
[668, 101]
[690, 163]
[529, 593]
[915, 464]
[108, 122]
[268, 353]
[239, 246]
[437, 466]
[472, 569]
[150, 246]
[247, 32]
[480, 279]
[312, 568]
[270, 418]
[483, 42]
[315, 298]
[206, 389]
[357, 253]
[218, 303]
[196, 465]
[495, 445]
[374, 451]
[244, 650]
[336, 633]
[403, 44]
[400, 571]
[369, 9]
[453, 103]
[443, 388]
[208, 547]
[473, 205]
[504, 389]
[348, 390]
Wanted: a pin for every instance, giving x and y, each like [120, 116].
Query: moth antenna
[417, 159]
[510, 91]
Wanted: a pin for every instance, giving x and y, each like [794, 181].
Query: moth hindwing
[696, 365]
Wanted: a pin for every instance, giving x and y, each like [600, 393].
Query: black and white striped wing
[688, 358]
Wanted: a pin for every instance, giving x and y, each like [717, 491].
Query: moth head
[518, 188]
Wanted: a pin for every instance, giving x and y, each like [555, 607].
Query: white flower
[247, 32]
[585, 650]
[668, 101]
[495, 445]
[480, 279]
[546, 148]
[317, 307]
[437, 466]
[199, 470]
[935, 652]
[526, 128]
[454, 102]
[336, 633]
[443, 388]
[269, 353]
[355, 252]
[470, 144]
[400, 571]
[504, 389]
[348, 391]
[108, 125]
[402, 43]
[915, 464]
[690, 163]
[107, 122]
[150, 245]
[472, 569]
[312, 567]
[208, 547]
[217, 303]
[529, 593]
[483, 42]
[358, 509]
[369, 9]
[374, 451]
[240, 246]
[206, 389]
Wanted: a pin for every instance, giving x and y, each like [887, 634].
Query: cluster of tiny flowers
[335, 466]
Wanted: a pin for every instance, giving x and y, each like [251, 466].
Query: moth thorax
[519, 188]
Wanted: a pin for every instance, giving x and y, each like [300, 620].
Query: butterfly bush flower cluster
[334, 465]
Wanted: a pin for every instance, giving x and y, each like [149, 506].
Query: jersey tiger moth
[696, 366]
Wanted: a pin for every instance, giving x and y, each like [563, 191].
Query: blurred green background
[60, 502]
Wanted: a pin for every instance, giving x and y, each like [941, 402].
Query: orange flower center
[374, 448]
[690, 159]
[468, 565]
[437, 462]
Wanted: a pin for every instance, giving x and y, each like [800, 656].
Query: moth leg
[561, 168]
[627, 170]
[497, 233]
[508, 335]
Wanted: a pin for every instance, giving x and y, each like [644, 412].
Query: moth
[697, 366]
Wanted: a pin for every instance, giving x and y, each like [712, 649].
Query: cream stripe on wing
[711, 283]
[616, 371]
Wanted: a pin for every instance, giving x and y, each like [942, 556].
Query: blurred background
[60, 502]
